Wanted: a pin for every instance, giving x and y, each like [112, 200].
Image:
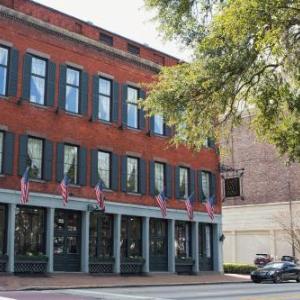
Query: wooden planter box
[184, 265]
[31, 264]
[3, 262]
[101, 265]
[132, 265]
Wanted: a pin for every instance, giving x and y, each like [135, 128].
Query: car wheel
[298, 277]
[277, 278]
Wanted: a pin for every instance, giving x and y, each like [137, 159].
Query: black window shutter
[51, 73]
[124, 105]
[95, 98]
[62, 87]
[168, 130]
[84, 84]
[115, 104]
[201, 194]
[60, 161]
[94, 167]
[82, 166]
[47, 160]
[211, 142]
[212, 185]
[8, 156]
[142, 176]
[192, 182]
[13, 72]
[142, 112]
[124, 174]
[115, 172]
[26, 76]
[23, 156]
[177, 183]
[152, 178]
[169, 183]
[151, 125]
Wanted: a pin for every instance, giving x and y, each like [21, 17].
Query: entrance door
[205, 247]
[67, 240]
[158, 245]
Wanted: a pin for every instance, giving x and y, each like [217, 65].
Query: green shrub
[238, 268]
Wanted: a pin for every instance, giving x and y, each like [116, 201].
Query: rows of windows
[39, 88]
[37, 153]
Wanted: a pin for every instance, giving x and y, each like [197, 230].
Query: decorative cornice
[38, 24]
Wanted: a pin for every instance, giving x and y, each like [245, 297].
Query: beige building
[258, 199]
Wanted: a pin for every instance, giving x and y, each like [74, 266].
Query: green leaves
[247, 56]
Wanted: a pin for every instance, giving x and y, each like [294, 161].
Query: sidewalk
[80, 280]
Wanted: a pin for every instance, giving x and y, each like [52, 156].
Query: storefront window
[2, 230]
[131, 237]
[101, 235]
[30, 231]
[182, 239]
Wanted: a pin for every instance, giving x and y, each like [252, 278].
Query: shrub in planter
[238, 268]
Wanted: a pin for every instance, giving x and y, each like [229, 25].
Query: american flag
[100, 194]
[189, 206]
[161, 201]
[64, 189]
[210, 207]
[25, 186]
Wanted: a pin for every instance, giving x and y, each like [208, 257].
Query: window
[182, 239]
[1, 151]
[159, 59]
[72, 90]
[205, 184]
[131, 237]
[101, 235]
[159, 125]
[159, 176]
[132, 174]
[183, 183]
[3, 70]
[132, 107]
[38, 80]
[71, 163]
[208, 241]
[105, 99]
[2, 229]
[232, 187]
[104, 168]
[35, 157]
[133, 49]
[106, 39]
[30, 231]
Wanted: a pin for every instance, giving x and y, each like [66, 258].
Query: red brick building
[68, 106]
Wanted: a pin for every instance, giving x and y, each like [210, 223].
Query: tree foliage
[246, 56]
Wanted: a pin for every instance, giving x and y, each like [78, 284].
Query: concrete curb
[40, 288]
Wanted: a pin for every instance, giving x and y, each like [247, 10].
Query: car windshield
[278, 265]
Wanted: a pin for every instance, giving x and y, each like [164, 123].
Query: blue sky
[125, 17]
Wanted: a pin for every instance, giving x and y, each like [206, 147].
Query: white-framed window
[35, 157]
[4, 53]
[38, 80]
[159, 177]
[105, 99]
[72, 90]
[205, 177]
[159, 125]
[183, 182]
[104, 168]
[132, 107]
[71, 163]
[132, 174]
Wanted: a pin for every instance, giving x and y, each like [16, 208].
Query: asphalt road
[244, 291]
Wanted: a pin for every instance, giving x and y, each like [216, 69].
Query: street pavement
[234, 291]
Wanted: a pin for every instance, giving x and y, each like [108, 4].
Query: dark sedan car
[277, 272]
